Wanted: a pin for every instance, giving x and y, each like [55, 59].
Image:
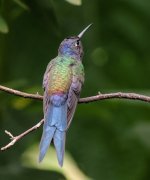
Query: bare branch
[118, 95]
[14, 139]
[21, 94]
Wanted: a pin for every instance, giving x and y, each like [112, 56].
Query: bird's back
[60, 76]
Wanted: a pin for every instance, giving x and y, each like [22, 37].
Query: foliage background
[108, 140]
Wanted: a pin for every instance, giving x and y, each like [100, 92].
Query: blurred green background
[107, 140]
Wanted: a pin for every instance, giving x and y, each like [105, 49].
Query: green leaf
[21, 4]
[75, 2]
[3, 25]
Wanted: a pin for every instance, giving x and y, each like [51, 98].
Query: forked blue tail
[55, 126]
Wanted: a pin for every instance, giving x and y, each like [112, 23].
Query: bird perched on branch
[62, 84]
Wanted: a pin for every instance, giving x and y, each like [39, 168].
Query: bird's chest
[59, 79]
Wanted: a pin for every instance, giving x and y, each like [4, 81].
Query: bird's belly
[59, 81]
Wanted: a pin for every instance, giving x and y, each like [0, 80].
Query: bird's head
[72, 46]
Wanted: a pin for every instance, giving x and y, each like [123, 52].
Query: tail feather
[55, 126]
[57, 116]
[48, 133]
[59, 143]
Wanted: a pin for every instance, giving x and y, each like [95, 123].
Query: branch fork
[14, 139]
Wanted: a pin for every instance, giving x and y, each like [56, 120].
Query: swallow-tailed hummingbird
[62, 84]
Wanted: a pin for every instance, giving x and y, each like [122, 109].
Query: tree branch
[118, 95]
[21, 94]
[14, 139]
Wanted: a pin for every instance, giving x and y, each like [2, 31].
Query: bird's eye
[77, 43]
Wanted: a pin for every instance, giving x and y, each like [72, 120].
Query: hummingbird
[62, 83]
